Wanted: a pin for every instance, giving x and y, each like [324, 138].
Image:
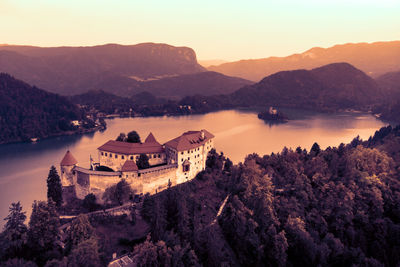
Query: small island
[272, 116]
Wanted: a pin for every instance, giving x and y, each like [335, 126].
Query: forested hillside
[28, 112]
[333, 207]
[331, 87]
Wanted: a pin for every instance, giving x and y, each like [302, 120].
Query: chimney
[202, 135]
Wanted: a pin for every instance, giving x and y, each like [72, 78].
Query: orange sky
[223, 29]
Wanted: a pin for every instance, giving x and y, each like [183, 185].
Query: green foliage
[79, 231]
[54, 188]
[315, 149]
[89, 202]
[85, 254]
[18, 263]
[43, 229]
[121, 137]
[29, 112]
[333, 207]
[159, 254]
[14, 237]
[143, 162]
[118, 194]
[133, 137]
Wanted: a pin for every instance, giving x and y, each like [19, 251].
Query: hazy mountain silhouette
[373, 58]
[212, 62]
[203, 83]
[334, 86]
[72, 70]
[390, 82]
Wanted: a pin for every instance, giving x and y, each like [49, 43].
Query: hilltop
[28, 112]
[73, 70]
[372, 58]
[332, 87]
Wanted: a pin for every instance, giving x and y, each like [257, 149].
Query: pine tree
[43, 226]
[15, 232]
[54, 188]
[79, 231]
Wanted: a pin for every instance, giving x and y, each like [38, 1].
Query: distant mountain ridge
[390, 82]
[204, 83]
[372, 58]
[72, 70]
[334, 86]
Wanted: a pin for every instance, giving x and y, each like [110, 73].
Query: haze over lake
[24, 166]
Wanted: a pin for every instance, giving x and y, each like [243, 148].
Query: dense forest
[332, 207]
[28, 112]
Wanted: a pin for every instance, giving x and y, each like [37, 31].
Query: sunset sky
[215, 29]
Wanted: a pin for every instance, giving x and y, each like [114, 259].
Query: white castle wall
[115, 160]
[197, 158]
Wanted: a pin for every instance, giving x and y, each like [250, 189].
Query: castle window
[110, 155]
[102, 153]
[122, 157]
[159, 156]
[182, 152]
[131, 157]
[106, 154]
[116, 156]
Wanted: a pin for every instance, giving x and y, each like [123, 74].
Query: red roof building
[129, 166]
[190, 140]
[68, 159]
[151, 139]
[149, 146]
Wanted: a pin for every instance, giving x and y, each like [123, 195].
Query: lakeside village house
[175, 162]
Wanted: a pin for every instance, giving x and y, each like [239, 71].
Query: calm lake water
[24, 167]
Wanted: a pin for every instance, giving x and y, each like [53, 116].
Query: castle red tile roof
[151, 139]
[68, 160]
[189, 140]
[131, 148]
[129, 166]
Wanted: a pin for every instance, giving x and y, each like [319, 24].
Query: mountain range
[73, 70]
[374, 59]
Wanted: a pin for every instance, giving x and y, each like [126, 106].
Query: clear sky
[215, 29]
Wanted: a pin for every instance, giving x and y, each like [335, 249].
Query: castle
[175, 162]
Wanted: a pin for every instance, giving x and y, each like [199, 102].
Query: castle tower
[67, 164]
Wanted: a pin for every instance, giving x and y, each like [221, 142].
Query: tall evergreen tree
[79, 231]
[54, 188]
[43, 230]
[14, 236]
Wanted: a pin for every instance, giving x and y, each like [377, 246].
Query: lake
[24, 167]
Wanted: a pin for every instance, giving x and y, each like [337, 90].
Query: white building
[175, 162]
